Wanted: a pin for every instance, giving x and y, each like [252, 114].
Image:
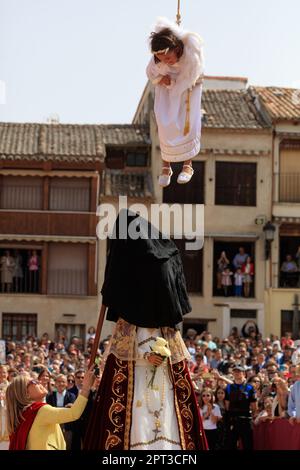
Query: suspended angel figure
[176, 71]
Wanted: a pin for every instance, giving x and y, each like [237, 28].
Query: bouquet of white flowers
[161, 348]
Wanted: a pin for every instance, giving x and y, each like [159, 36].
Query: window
[20, 192]
[287, 321]
[69, 331]
[198, 324]
[69, 194]
[235, 184]
[289, 178]
[118, 158]
[239, 317]
[115, 159]
[225, 286]
[191, 193]
[289, 269]
[20, 271]
[247, 314]
[17, 326]
[67, 269]
[136, 159]
[192, 266]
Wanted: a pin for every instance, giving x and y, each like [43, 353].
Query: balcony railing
[290, 279]
[289, 187]
[23, 197]
[26, 282]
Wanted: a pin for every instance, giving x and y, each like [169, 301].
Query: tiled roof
[280, 103]
[124, 134]
[231, 109]
[71, 142]
[134, 184]
[231, 152]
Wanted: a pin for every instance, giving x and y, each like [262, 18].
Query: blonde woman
[34, 425]
[3, 386]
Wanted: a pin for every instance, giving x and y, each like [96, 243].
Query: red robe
[110, 419]
[18, 439]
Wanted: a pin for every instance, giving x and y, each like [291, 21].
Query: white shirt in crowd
[207, 423]
[60, 399]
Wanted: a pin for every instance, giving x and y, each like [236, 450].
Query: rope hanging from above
[178, 16]
[188, 97]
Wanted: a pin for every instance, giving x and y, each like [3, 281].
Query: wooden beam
[44, 270]
[93, 193]
[46, 187]
[91, 258]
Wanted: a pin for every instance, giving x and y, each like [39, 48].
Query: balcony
[289, 187]
[20, 271]
[47, 223]
[60, 269]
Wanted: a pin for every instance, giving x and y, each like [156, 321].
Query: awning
[47, 238]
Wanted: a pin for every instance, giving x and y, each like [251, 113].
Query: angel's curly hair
[166, 39]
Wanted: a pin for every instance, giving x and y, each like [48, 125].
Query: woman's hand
[166, 80]
[154, 359]
[88, 381]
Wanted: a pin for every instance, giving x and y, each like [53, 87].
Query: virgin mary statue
[145, 402]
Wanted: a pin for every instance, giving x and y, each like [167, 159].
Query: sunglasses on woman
[32, 382]
[206, 396]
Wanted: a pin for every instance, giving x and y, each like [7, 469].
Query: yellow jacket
[45, 432]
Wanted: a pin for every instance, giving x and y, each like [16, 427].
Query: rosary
[156, 413]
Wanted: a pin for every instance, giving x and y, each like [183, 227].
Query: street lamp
[269, 230]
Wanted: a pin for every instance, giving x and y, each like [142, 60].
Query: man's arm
[292, 404]
[253, 407]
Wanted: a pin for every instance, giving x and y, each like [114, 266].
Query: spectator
[240, 258]
[70, 381]
[208, 339]
[251, 331]
[90, 334]
[60, 399]
[266, 413]
[226, 281]
[211, 414]
[289, 270]
[44, 378]
[294, 399]
[280, 402]
[248, 273]
[3, 386]
[217, 359]
[7, 265]
[221, 425]
[223, 262]
[39, 427]
[286, 340]
[238, 282]
[240, 400]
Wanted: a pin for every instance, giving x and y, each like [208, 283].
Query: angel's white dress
[177, 141]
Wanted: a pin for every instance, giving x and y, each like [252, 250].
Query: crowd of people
[240, 381]
[244, 380]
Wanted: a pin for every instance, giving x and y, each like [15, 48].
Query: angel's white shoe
[185, 177]
[165, 180]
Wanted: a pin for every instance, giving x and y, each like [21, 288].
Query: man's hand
[292, 420]
[154, 359]
[166, 80]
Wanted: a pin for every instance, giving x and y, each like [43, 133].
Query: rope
[188, 96]
[178, 16]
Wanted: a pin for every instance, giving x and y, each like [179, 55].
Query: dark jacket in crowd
[51, 399]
